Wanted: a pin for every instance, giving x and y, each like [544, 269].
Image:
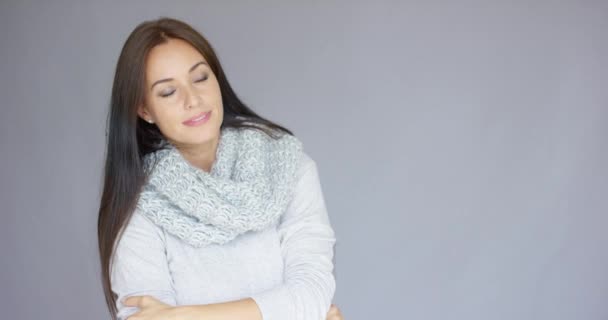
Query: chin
[202, 137]
[197, 135]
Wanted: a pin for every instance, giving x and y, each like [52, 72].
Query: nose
[192, 97]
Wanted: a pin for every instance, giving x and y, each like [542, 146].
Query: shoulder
[140, 220]
[307, 174]
[306, 165]
[140, 230]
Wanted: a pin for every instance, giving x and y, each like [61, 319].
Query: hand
[150, 308]
[334, 313]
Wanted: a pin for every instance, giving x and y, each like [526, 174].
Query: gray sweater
[287, 269]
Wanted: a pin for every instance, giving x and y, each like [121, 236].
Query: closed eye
[164, 95]
[167, 94]
[202, 79]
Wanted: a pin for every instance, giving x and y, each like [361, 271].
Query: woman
[208, 211]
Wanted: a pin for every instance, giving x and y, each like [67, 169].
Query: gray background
[461, 147]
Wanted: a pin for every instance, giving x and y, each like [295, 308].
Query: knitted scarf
[248, 187]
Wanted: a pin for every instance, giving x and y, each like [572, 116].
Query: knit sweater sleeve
[139, 266]
[307, 246]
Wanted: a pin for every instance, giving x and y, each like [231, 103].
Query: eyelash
[199, 80]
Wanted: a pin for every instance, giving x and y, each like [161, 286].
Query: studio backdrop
[461, 146]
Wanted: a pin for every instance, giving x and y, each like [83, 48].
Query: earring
[150, 121]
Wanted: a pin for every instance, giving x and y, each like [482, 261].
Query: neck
[201, 156]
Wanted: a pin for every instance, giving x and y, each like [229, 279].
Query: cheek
[168, 120]
[220, 103]
[217, 93]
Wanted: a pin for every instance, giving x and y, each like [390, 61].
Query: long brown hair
[129, 138]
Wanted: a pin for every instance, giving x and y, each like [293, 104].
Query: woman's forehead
[173, 57]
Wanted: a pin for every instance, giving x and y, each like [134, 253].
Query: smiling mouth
[199, 119]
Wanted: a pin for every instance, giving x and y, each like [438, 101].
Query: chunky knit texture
[250, 184]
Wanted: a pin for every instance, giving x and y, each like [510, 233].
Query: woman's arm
[245, 309]
[307, 245]
[139, 266]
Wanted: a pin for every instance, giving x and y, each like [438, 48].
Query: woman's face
[182, 95]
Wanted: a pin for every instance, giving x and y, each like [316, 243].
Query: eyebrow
[169, 79]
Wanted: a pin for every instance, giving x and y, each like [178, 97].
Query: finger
[134, 315]
[334, 311]
[130, 301]
[337, 315]
[135, 301]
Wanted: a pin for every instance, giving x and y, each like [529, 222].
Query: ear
[143, 113]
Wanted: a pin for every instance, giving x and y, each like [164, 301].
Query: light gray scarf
[248, 188]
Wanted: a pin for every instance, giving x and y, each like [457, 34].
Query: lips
[198, 119]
